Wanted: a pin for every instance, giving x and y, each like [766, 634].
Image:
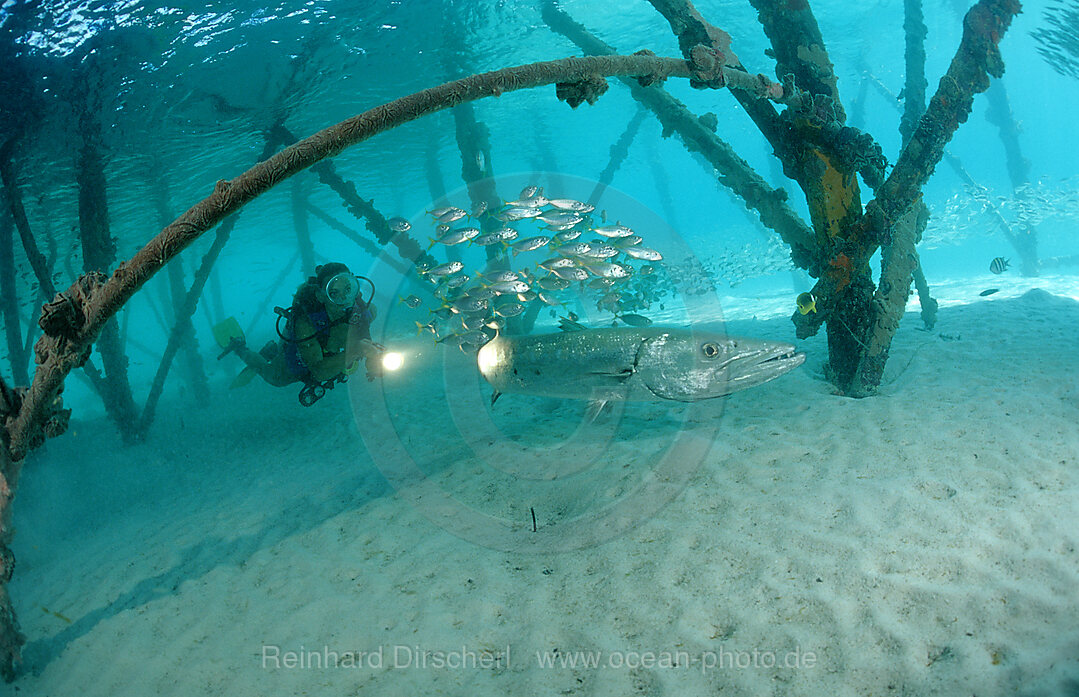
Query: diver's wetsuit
[359, 316]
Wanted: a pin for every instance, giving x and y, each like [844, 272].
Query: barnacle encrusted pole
[263, 308]
[798, 49]
[54, 421]
[1025, 240]
[196, 372]
[899, 258]
[74, 320]
[619, 152]
[11, 639]
[195, 369]
[183, 328]
[13, 197]
[831, 190]
[692, 30]
[913, 107]
[824, 157]
[376, 224]
[298, 199]
[786, 23]
[661, 179]
[98, 254]
[360, 241]
[977, 59]
[183, 324]
[700, 137]
[898, 262]
[816, 149]
[436, 185]
[473, 141]
[915, 85]
[958, 168]
[9, 305]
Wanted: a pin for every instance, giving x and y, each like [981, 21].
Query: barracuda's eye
[711, 350]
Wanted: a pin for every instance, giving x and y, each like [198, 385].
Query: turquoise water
[182, 97]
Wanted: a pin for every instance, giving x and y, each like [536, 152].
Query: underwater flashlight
[391, 360]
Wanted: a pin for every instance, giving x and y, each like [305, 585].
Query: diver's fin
[246, 375]
[494, 396]
[594, 409]
[228, 331]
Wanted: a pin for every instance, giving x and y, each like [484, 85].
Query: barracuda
[630, 363]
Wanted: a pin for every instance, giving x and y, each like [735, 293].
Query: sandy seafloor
[920, 542]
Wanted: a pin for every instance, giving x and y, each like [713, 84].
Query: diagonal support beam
[731, 170]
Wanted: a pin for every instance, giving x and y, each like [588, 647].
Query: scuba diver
[328, 314]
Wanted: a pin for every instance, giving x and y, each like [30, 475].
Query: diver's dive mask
[342, 289]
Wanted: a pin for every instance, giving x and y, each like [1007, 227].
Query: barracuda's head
[689, 366]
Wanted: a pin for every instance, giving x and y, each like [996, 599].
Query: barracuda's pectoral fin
[494, 396]
[593, 410]
[619, 376]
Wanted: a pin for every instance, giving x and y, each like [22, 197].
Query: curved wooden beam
[72, 322]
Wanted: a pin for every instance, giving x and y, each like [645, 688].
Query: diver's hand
[374, 363]
[372, 354]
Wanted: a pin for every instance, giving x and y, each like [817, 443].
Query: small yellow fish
[806, 303]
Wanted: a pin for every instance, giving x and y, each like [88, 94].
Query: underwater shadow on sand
[215, 551]
[318, 500]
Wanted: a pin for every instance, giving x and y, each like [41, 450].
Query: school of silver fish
[611, 265]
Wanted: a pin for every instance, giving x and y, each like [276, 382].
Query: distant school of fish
[806, 302]
[612, 265]
[474, 307]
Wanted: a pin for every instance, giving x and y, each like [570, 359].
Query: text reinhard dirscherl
[401, 656]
